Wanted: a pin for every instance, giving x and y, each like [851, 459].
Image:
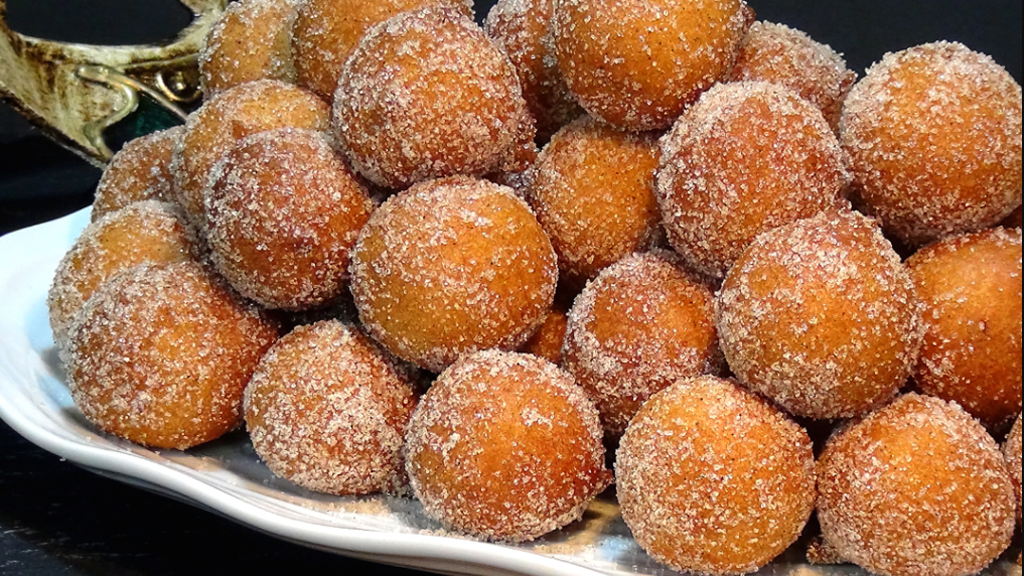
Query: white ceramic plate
[227, 478]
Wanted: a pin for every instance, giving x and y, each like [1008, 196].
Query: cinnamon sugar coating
[935, 136]
[917, 488]
[327, 410]
[160, 356]
[283, 215]
[1012, 453]
[426, 95]
[821, 316]
[522, 28]
[971, 289]
[593, 191]
[506, 447]
[450, 267]
[747, 158]
[214, 129]
[638, 64]
[250, 42]
[641, 326]
[144, 232]
[714, 480]
[140, 171]
[781, 55]
[326, 32]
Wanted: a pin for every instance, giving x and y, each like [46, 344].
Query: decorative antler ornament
[74, 91]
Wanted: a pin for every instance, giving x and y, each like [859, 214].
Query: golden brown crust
[714, 480]
[450, 267]
[593, 192]
[637, 65]
[935, 136]
[327, 410]
[161, 355]
[506, 447]
[140, 171]
[918, 488]
[283, 214]
[821, 316]
[387, 111]
[971, 289]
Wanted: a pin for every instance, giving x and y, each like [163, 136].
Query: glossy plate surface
[227, 478]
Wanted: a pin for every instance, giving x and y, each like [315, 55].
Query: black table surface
[59, 520]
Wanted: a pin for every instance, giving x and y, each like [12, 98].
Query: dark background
[58, 520]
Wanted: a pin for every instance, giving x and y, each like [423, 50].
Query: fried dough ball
[747, 158]
[593, 192]
[781, 55]
[1013, 221]
[144, 232]
[935, 136]
[450, 267]
[213, 130]
[250, 42]
[160, 356]
[821, 316]
[918, 487]
[547, 341]
[1012, 453]
[283, 216]
[140, 171]
[522, 28]
[506, 447]
[327, 410]
[638, 64]
[643, 325]
[388, 112]
[326, 32]
[971, 289]
[713, 479]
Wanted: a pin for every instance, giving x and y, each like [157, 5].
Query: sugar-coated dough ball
[821, 316]
[427, 94]
[146, 232]
[214, 129]
[935, 136]
[781, 55]
[250, 42]
[506, 447]
[641, 326]
[638, 64]
[593, 191]
[450, 267]
[971, 289]
[714, 480]
[523, 30]
[1012, 452]
[161, 355]
[747, 158]
[326, 32]
[327, 410]
[140, 171]
[283, 215]
[916, 488]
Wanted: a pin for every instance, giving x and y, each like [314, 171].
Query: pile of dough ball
[416, 255]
